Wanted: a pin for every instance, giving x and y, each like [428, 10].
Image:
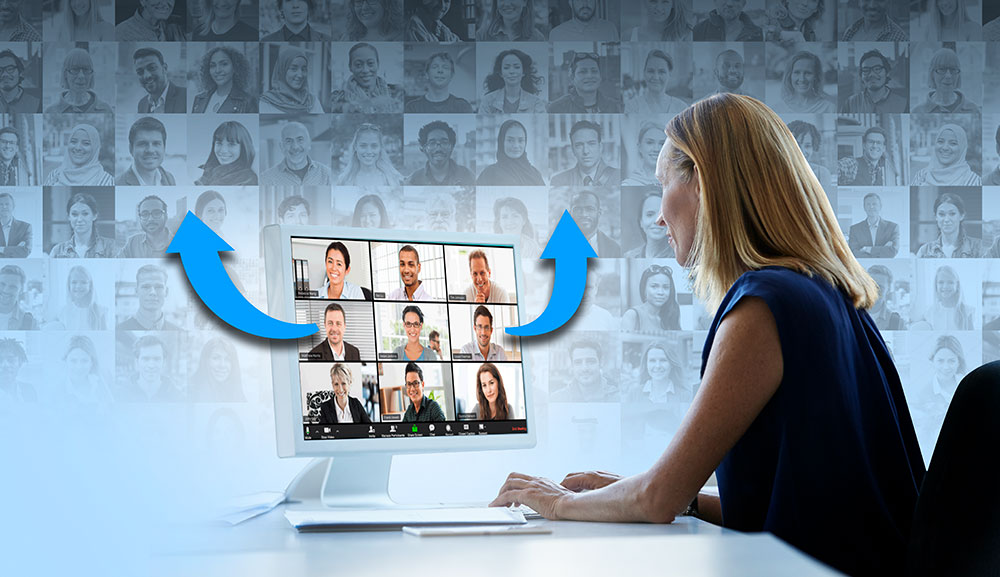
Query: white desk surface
[269, 546]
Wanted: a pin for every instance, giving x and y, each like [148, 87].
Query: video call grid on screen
[372, 334]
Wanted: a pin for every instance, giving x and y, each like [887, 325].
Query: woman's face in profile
[658, 288]
[678, 207]
[364, 66]
[647, 218]
[81, 218]
[79, 287]
[657, 75]
[514, 142]
[220, 68]
[79, 7]
[340, 388]
[949, 218]
[510, 10]
[369, 146]
[489, 385]
[297, 72]
[226, 151]
[214, 214]
[369, 12]
[657, 364]
[220, 365]
[81, 148]
[803, 76]
[946, 285]
[79, 362]
[369, 216]
[945, 363]
[511, 70]
[412, 326]
[946, 147]
[658, 11]
[511, 221]
[806, 145]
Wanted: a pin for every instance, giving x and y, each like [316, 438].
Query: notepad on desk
[315, 521]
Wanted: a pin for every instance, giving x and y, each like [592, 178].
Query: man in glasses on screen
[155, 236]
[13, 97]
[422, 409]
[483, 349]
[876, 95]
[584, 95]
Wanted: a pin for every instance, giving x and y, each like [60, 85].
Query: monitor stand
[349, 482]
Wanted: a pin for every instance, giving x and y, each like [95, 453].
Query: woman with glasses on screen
[224, 76]
[792, 365]
[77, 81]
[368, 163]
[230, 161]
[512, 167]
[513, 86]
[944, 77]
[491, 397]
[342, 408]
[659, 310]
[412, 350]
[509, 20]
[81, 165]
[86, 241]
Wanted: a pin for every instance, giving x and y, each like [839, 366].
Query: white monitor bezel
[284, 354]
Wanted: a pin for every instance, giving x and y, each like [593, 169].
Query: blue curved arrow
[570, 249]
[199, 249]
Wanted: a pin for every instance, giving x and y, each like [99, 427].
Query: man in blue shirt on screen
[483, 349]
[421, 409]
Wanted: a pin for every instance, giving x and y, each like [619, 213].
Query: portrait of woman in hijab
[230, 162]
[948, 165]
[81, 165]
[289, 90]
[512, 167]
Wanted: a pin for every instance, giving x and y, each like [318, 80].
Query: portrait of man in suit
[585, 208]
[874, 237]
[335, 348]
[15, 235]
[161, 94]
[590, 168]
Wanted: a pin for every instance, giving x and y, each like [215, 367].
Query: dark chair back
[956, 524]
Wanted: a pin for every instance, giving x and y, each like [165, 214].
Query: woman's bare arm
[744, 370]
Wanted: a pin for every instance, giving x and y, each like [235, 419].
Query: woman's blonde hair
[761, 204]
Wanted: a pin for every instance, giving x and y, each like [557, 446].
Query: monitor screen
[411, 340]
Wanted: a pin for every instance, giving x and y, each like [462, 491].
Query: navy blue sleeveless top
[831, 464]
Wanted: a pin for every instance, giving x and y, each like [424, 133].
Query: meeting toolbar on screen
[411, 340]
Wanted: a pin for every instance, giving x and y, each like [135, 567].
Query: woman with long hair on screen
[221, 23]
[224, 77]
[659, 310]
[289, 92]
[412, 349]
[654, 237]
[86, 241]
[230, 161]
[374, 21]
[81, 311]
[217, 378]
[663, 21]
[948, 311]
[77, 82]
[802, 85]
[792, 365]
[81, 21]
[509, 20]
[946, 21]
[491, 396]
[84, 385]
[370, 212]
[661, 377]
[510, 216]
[810, 140]
[653, 98]
[647, 150]
[81, 164]
[368, 163]
[512, 167]
[952, 240]
[513, 85]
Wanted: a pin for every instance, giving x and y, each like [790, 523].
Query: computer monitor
[378, 297]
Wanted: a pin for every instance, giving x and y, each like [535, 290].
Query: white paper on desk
[239, 509]
[389, 517]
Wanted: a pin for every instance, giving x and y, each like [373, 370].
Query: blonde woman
[798, 388]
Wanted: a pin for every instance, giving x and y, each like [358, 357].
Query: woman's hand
[539, 493]
[589, 480]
